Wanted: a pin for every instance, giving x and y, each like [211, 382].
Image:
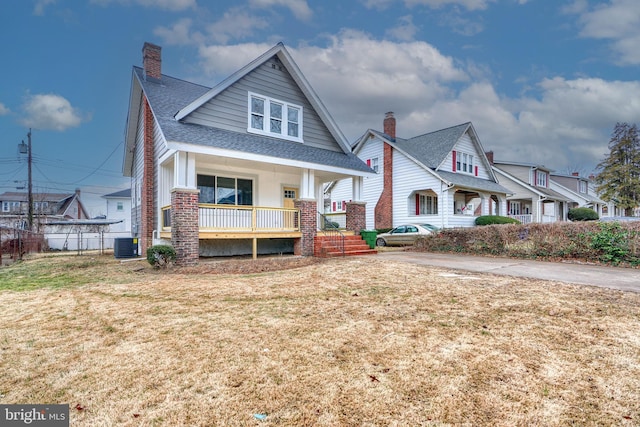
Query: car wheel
[381, 242]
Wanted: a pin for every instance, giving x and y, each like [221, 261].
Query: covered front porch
[214, 207]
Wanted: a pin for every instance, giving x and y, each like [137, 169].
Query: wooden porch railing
[240, 218]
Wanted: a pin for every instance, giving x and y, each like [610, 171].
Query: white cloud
[617, 21]
[4, 110]
[235, 24]
[174, 5]
[50, 112]
[221, 61]
[179, 33]
[38, 8]
[299, 8]
[405, 30]
[559, 122]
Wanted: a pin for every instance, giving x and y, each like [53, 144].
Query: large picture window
[272, 117]
[221, 190]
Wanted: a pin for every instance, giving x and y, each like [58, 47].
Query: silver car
[405, 235]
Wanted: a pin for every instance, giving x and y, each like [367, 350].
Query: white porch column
[307, 184]
[184, 170]
[484, 204]
[357, 186]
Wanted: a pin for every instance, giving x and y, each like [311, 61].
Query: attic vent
[276, 67]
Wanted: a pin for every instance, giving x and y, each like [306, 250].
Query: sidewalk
[624, 279]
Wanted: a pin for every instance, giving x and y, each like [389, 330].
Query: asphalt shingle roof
[432, 148]
[168, 95]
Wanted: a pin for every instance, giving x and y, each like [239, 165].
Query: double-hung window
[273, 117]
[427, 204]
[541, 179]
[464, 162]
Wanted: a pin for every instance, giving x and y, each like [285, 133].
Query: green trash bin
[369, 236]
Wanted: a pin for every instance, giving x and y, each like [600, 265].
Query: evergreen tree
[618, 179]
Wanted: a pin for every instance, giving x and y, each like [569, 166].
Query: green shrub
[611, 241]
[495, 219]
[582, 214]
[161, 256]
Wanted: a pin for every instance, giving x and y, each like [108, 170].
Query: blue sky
[542, 81]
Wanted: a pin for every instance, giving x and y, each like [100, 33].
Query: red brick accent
[148, 190]
[184, 226]
[356, 216]
[308, 227]
[383, 213]
[152, 60]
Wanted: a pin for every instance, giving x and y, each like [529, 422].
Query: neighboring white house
[442, 178]
[119, 208]
[532, 198]
[96, 233]
[580, 193]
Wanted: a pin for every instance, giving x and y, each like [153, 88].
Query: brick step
[367, 251]
[353, 245]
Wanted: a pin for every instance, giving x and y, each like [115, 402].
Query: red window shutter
[369, 162]
[453, 167]
[508, 207]
[334, 206]
[476, 171]
[344, 205]
[417, 204]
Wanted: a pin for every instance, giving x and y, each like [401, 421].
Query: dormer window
[583, 187]
[272, 117]
[541, 179]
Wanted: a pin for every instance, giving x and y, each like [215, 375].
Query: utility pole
[26, 148]
[30, 184]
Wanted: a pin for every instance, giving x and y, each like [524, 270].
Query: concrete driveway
[624, 279]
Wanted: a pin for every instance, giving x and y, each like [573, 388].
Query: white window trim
[542, 179]
[267, 118]
[465, 163]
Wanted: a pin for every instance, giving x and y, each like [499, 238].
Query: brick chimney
[389, 125]
[152, 60]
[489, 155]
[383, 211]
[575, 173]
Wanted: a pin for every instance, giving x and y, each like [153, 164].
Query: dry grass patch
[351, 341]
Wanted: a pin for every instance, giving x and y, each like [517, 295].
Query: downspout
[444, 220]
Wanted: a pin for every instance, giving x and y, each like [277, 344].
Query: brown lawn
[343, 342]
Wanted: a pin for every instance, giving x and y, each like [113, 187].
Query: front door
[289, 194]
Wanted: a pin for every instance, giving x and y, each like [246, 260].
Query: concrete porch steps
[353, 245]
